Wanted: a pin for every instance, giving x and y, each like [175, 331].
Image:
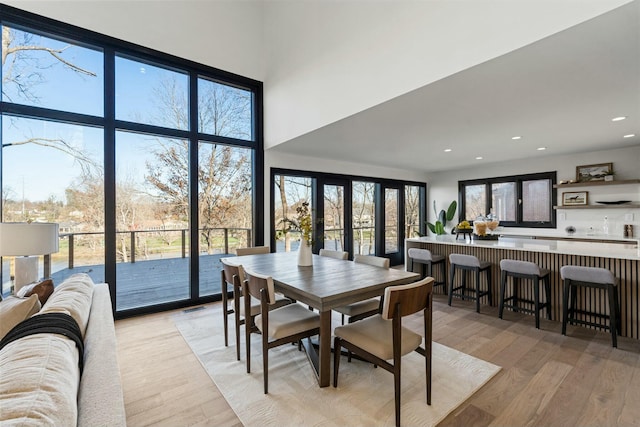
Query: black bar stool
[574, 277]
[472, 264]
[524, 270]
[428, 260]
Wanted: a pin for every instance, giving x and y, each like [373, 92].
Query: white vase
[304, 254]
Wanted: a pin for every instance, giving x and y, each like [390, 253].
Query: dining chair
[288, 324]
[334, 254]
[382, 338]
[254, 250]
[363, 309]
[232, 277]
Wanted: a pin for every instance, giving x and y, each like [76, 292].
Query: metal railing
[134, 236]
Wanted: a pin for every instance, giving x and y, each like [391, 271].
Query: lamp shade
[24, 239]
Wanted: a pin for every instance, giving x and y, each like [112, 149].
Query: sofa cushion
[73, 297]
[14, 310]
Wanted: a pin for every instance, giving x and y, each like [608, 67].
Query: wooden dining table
[327, 284]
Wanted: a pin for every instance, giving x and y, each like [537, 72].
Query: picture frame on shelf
[575, 198]
[587, 173]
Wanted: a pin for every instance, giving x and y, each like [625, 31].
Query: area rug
[364, 396]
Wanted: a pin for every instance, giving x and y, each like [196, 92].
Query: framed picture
[577, 198]
[593, 172]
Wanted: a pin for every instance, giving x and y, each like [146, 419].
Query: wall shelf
[622, 206]
[597, 183]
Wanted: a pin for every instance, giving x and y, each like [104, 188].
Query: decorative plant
[301, 223]
[443, 217]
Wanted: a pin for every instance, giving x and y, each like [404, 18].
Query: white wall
[328, 60]
[443, 187]
[225, 34]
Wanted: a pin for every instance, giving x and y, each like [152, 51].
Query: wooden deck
[145, 283]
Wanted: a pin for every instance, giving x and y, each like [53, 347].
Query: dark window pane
[504, 201]
[412, 210]
[334, 217]
[536, 199]
[475, 198]
[225, 110]
[363, 218]
[151, 95]
[44, 72]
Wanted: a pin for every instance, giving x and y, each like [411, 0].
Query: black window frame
[112, 47]
[518, 180]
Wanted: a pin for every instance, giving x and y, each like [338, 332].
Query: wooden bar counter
[622, 259]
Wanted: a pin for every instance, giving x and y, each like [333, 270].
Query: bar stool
[469, 263]
[594, 278]
[524, 270]
[428, 260]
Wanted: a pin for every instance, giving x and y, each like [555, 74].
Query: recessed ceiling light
[617, 119]
[542, 148]
[516, 137]
[479, 158]
[447, 150]
[631, 135]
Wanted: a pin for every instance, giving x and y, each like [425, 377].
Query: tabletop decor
[304, 224]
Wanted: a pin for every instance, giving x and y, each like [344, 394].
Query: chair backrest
[232, 274]
[466, 260]
[377, 261]
[412, 297]
[520, 267]
[421, 254]
[587, 274]
[256, 250]
[334, 254]
[254, 284]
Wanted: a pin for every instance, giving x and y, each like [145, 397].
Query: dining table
[327, 284]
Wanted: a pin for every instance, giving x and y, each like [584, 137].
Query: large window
[146, 161]
[517, 201]
[358, 215]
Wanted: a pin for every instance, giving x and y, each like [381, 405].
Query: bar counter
[622, 259]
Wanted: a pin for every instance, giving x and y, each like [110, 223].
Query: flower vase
[304, 254]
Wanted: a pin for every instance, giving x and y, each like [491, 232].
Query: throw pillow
[14, 310]
[73, 296]
[43, 289]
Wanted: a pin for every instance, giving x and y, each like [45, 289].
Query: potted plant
[443, 218]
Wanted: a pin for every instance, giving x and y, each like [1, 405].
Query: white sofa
[40, 381]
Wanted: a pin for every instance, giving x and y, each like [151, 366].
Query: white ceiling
[560, 93]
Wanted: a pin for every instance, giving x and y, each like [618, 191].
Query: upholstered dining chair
[255, 250]
[363, 309]
[334, 254]
[382, 338]
[288, 324]
[232, 277]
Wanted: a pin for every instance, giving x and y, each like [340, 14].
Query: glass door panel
[289, 193]
[412, 211]
[391, 224]
[224, 208]
[152, 226]
[334, 217]
[363, 214]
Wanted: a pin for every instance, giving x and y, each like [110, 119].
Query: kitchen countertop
[629, 250]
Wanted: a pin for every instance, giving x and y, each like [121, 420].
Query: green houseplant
[443, 217]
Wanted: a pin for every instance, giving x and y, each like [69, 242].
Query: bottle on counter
[605, 225]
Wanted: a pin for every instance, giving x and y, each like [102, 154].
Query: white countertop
[597, 249]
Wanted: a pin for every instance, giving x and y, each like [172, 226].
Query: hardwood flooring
[547, 379]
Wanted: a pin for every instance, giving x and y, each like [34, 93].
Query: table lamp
[26, 241]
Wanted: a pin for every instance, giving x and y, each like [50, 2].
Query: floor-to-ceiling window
[148, 162]
[359, 215]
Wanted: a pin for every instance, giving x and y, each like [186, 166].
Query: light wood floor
[547, 379]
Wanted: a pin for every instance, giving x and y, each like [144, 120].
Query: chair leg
[464, 283]
[396, 384]
[444, 276]
[565, 308]
[429, 268]
[503, 285]
[451, 277]
[236, 302]
[489, 286]
[478, 290]
[613, 316]
[516, 294]
[225, 313]
[248, 324]
[547, 290]
[337, 344]
[536, 300]
[265, 362]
